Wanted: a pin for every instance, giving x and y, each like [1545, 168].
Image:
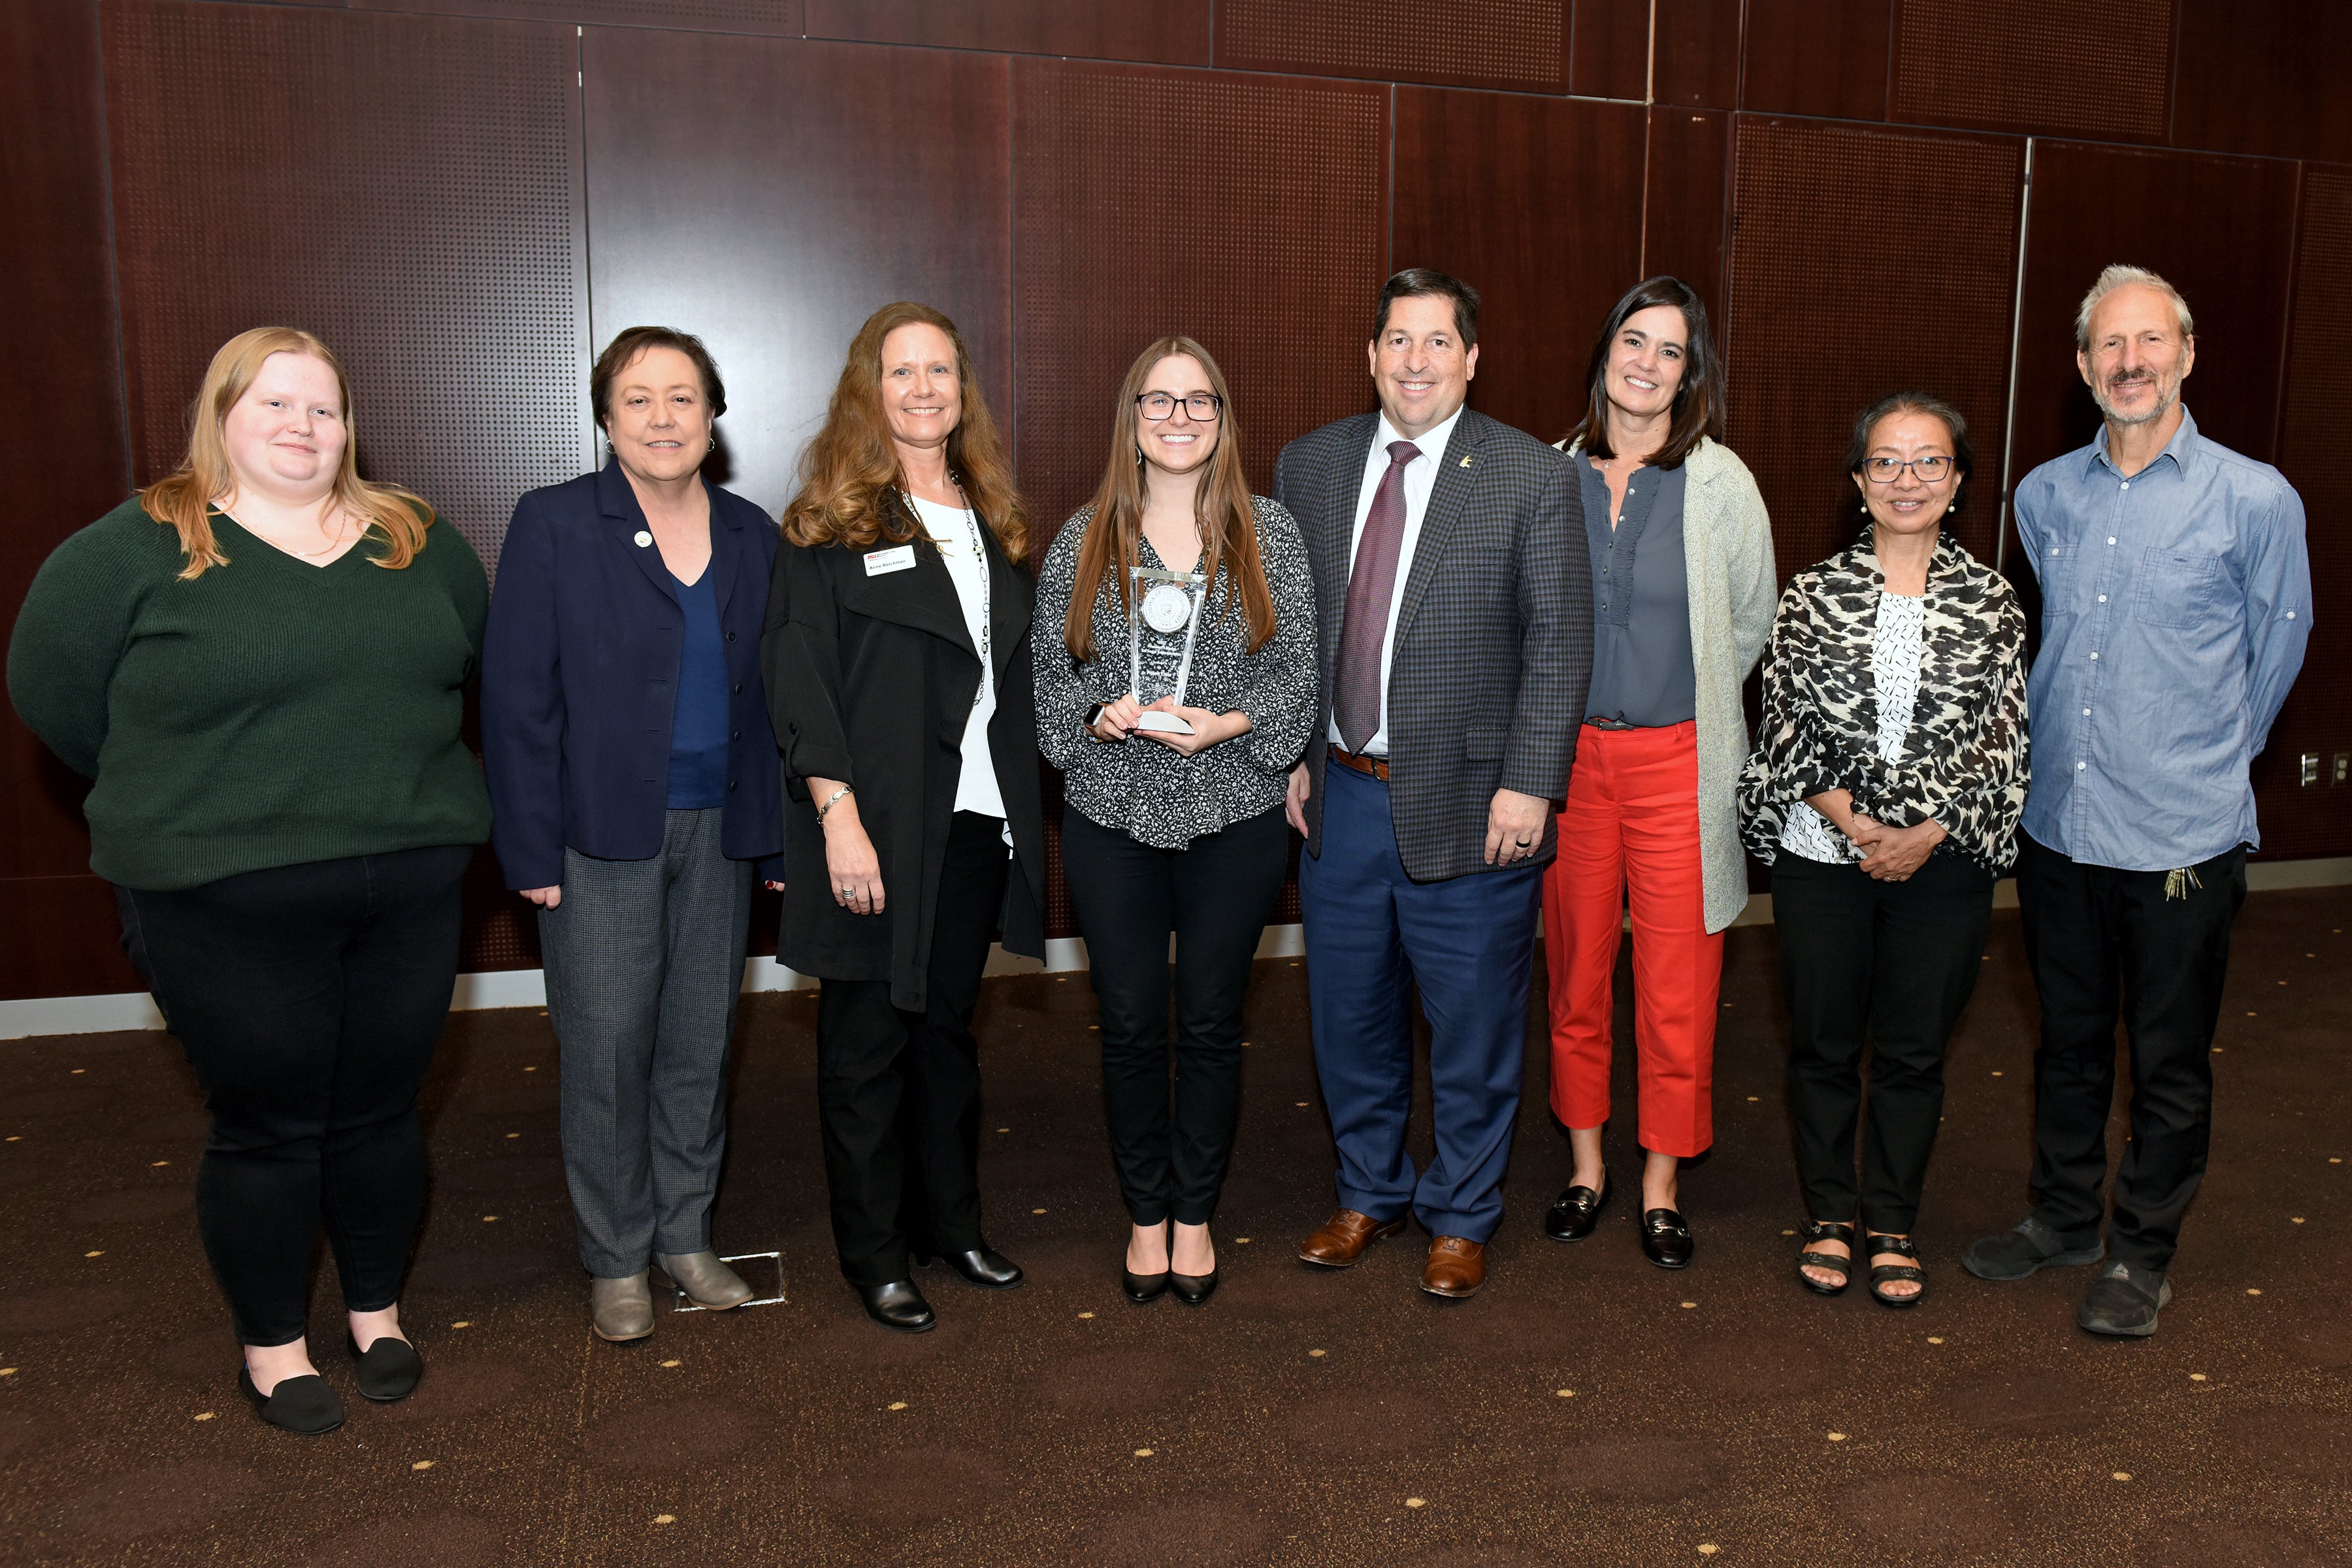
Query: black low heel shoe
[1667, 1239]
[1576, 1211]
[1192, 1289]
[389, 1369]
[983, 1266]
[899, 1306]
[1142, 1289]
[304, 1406]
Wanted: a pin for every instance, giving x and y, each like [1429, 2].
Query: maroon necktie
[1371, 586]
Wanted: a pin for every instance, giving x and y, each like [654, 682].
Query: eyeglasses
[1158, 406]
[1887, 470]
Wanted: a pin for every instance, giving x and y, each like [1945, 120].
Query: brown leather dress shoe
[1455, 1268]
[1343, 1239]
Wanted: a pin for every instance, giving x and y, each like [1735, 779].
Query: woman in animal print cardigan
[1884, 789]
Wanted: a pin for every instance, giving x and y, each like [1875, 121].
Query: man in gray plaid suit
[1455, 610]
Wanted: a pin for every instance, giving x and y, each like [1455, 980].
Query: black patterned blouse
[1964, 760]
[1150, 792]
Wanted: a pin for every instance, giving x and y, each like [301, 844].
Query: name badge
[901, 559]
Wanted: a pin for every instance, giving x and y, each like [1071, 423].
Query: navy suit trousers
[1468, 945]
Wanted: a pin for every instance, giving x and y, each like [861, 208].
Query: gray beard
[2162, 407]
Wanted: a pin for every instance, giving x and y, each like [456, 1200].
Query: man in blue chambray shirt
[2176, 605]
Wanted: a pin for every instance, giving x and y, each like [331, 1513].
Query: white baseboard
[33, 1016]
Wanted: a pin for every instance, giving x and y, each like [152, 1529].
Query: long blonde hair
[183, 501]
[851, 464]
[1221, 505]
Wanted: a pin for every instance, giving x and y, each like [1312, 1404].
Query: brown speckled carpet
[1586, 1408]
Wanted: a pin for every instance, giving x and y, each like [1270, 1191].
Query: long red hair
[850, 469]
[1222, 506]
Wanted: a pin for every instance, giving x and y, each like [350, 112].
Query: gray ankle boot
[622, 1309]
[707, 1280]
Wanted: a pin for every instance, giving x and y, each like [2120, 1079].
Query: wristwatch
[1093, 713]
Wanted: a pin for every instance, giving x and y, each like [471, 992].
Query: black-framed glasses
[1158, 406]
[1930, 470]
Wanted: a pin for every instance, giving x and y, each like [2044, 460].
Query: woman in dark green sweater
[260, 660]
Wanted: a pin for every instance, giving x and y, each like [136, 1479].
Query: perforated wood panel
[406, 187]
[2098, 67]
[1166, 32]
[1826, 316]
[796, 217]
[1271, 258]
[1468, 42]
[774, 16]
[2264, 79]
[2315, 453]
[1550, 276]
[1826, 57]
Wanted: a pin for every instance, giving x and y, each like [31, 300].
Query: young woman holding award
[1176, 699]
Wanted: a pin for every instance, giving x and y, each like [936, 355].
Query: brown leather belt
[1378, 767]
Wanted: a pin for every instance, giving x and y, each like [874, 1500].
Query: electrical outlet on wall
[2339, 772]
[2309, 773]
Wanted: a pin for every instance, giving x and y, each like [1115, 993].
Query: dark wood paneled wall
[469, 196]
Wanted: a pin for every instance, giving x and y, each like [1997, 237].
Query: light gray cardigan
[1734, 586]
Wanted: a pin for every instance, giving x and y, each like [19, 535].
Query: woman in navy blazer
[634, 788]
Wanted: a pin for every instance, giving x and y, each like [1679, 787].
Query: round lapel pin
[644, 539]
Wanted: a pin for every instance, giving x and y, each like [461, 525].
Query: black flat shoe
[1666, 1238]
[304, 1406]
[899, 1305]
[1192, 1289]
[1826, 1230]
[983, 1266]
[389, 1369]
[1142, 1289]
[1576, 1211]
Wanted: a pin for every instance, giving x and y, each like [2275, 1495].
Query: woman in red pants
[1683, 590]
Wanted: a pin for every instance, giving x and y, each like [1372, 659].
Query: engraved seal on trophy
[1160, 607]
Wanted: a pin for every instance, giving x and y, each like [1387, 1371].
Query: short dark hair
[1416, 282]
[1699, 401]
[1964, 451]
[622, 350]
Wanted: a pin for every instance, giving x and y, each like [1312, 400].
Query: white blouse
[1894, 672]
[956, 533]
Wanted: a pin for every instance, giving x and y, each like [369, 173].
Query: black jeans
[1213, 896]
[309, 999]
[2108, 945]
[1895, 961]
[899, 1092]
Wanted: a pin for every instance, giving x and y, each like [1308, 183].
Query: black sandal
[1830, 1230]
[1884, 1274]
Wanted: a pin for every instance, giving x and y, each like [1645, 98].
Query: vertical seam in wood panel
[1894, 44]
[1649, 134]
[1740, 59]
[1013, 257]
[2016, 342]
[1388, 245]
[2172, 85]
[113, 245]
[1722, 229]
[587, 228]
[2287, 324]
[1650, 59]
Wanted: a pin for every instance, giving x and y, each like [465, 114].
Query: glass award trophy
[1162, 620]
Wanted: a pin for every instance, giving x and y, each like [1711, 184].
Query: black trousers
[309, 999]
[2107, 946]
[899, 1090]
[1894, 961]
[1213, 896]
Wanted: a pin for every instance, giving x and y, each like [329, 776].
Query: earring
[1954, 507]
[714, 445]
[1139, 453]
[1866, 509]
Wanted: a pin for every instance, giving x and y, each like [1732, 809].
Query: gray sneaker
[2123, 1301]
[2014, 1254]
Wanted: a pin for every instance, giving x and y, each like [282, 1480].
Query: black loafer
[304, 1404]
[1192, 1289]
[1666, 1238]
[899, 1305]
[389, 1369]
[1575, 1212]
[1142, 1289]
[983, 1266]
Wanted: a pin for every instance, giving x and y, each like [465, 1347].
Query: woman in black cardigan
[898, 665]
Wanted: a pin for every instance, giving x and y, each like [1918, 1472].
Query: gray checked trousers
[645, 960]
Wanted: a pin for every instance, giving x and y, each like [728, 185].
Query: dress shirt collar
[1432, 442]
[2179, 449]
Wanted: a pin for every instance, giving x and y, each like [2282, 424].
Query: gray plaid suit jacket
[1494, 636]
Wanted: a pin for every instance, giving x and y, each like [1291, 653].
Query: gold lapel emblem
[1465, 462]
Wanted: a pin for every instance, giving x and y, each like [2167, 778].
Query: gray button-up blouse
[1643, 672]
[1150, 792]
